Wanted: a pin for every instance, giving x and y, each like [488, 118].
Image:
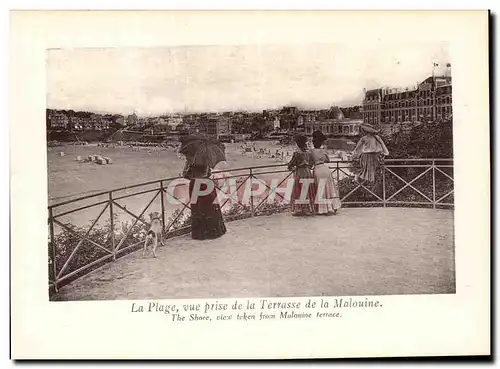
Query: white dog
[155, 231]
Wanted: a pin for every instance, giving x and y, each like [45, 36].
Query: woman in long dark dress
[206, 214]
[301, 164]
[326, 188]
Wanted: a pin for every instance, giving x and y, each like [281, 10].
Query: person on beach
[301, 164]
[206, 214]
[327, 193]
[368, 153]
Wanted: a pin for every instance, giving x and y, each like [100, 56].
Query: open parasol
[202, 150]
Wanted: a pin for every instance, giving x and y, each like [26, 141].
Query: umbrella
[202, 150]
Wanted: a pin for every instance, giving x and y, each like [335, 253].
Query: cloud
[213, 78]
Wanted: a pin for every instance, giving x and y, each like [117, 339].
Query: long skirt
[327, 193]
[368, 165]
[304, 205]
[206, 215]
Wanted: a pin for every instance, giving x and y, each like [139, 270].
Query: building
[443, 101]
[160, 125]
[215, 126]
[335, 127]
[98, 123]
[333, 123]
[77, 123]
[80, 121]
[288, 117]
[88, 125]
[372, 106]
[58, 121]
[306, 117]
[335, 113]
[428, 101]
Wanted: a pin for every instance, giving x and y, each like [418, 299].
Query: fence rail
[75, 251]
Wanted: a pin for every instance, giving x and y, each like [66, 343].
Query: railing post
[112, 225]
[383, 184]
[162, 207]
[53, 249]
[433, 184]
[250, 177]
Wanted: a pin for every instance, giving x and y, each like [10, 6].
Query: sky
[155, 81]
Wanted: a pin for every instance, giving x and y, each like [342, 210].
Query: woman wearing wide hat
[367, 154]
[327, 193]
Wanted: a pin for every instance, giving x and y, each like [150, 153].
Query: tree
[429, 140]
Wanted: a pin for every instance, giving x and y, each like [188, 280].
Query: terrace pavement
[359, 251]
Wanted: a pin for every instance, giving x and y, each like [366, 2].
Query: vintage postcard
[249, 184]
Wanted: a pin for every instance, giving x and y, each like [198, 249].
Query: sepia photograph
[249, 184]
[250, 170]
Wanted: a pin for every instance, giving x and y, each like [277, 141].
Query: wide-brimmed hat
[368, 128]
[318, 136]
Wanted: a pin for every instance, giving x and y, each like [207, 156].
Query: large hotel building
[336, 126]
[430, 100]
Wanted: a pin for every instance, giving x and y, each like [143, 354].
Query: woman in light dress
[368, 153]
[327, 193]
[301, 164]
